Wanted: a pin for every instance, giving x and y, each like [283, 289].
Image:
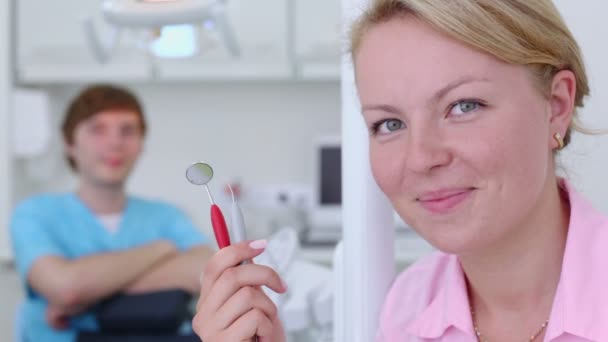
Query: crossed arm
[71, 286]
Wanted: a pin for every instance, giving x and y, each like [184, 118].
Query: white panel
[367, 219]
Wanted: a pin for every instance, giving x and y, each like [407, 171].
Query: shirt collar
[450, 308]
[580, 306]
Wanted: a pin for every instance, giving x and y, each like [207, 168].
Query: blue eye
[387, 126]
[464, 107]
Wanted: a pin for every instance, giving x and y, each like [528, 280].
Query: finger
[245, 300]
[253, 323]
[229, 257]
[235, 278]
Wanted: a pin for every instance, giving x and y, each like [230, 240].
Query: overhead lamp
[154, 15]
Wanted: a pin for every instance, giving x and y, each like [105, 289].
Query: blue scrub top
[61, 225]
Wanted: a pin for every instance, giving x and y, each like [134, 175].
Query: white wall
[260, 133]
[5, 105]
[586, 160]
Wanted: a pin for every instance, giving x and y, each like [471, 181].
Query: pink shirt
[429, 302]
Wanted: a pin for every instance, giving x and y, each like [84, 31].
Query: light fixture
[155, 14]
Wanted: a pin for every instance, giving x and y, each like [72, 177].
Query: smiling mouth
[114, 163]
[442, 202]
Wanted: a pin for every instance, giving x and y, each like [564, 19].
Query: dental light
[155, 14]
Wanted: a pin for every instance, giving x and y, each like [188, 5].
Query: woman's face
[460, 141]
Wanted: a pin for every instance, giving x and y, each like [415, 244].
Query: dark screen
[331, 176]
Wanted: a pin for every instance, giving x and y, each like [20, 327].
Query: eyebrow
[436, 97]
[455, 84]
[382, 108]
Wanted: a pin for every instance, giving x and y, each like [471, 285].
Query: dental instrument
[237, 229]
[200, 174]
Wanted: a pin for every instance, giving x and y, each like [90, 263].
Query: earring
[560, 140]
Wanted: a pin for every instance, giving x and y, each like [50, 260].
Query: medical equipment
[237, 228]
[238, 223]
[326, 209]
[200, 174]
[308, 302]
[153, 15]
[279, 255]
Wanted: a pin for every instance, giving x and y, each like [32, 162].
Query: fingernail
[284, 284]
[258, 244]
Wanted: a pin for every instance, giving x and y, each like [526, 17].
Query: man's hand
[57, 318]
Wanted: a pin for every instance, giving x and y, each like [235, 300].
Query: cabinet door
[318, 38]
[53, 46]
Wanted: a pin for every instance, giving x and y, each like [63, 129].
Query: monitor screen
[327, 207]
[330, 183]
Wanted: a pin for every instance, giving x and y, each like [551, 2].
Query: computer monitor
[326, 213]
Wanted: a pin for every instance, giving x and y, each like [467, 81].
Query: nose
[115, 138]
[426, 150]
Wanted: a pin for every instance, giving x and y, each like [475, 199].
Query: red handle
[219, 227]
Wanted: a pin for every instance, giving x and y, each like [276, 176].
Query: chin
[453, 238]
[113, 182]
[452, 247]
[113, 179]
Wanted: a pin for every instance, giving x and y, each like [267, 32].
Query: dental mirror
[200, 174]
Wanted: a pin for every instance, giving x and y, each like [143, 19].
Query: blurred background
[252, 89]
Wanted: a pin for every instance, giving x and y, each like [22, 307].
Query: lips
[114, 162]
[442, 201]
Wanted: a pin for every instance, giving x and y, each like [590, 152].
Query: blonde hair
[524, 32]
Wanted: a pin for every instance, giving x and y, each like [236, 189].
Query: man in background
[74, 250]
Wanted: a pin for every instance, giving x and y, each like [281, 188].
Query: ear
[562, 102]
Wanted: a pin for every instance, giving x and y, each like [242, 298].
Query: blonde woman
[468, 103]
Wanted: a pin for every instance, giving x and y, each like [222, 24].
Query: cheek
[134, 147]
[514, 155]
[133, 144]
[85, 149]
[90, 145]
[529, 160]
[492, 152]
[386, 167]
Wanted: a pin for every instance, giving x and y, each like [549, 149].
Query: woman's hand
[232, 307]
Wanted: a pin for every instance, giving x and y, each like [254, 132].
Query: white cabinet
[318, 39]
[279, 39]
